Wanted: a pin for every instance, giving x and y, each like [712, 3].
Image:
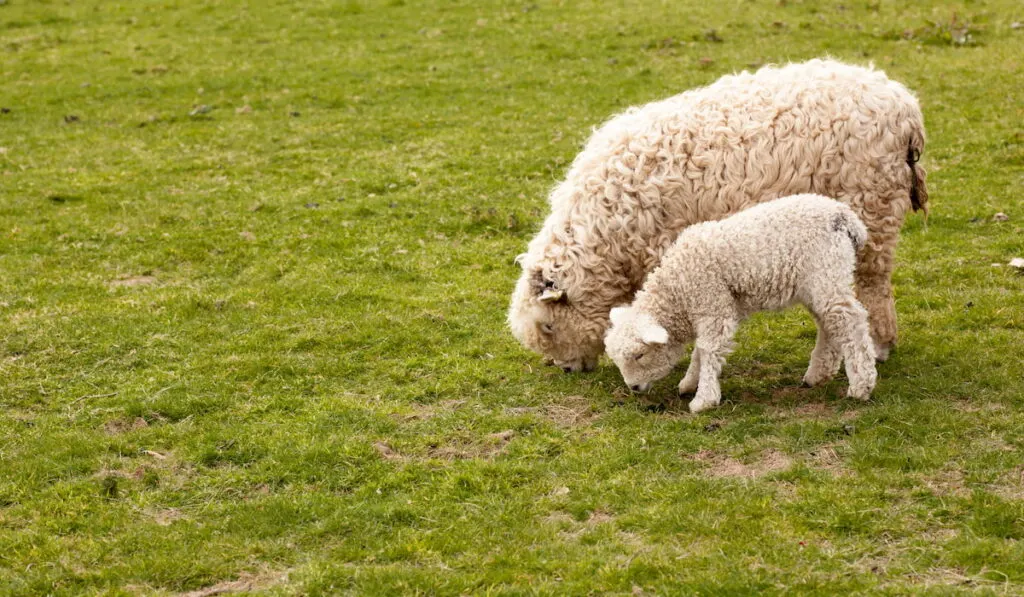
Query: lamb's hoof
[861, 395]
[687, 395]
[696, 407]
[810, 382]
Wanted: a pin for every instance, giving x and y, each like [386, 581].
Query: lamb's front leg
[688, 384]
[714, 343]
[825, 359]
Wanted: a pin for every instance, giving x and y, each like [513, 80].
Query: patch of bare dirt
[722, 466]
[246, 583]
[118, 426]
[598, 517]
[386, 451]
[787, 392]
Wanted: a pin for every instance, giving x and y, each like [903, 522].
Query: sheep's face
[640, 348]
[545, 321]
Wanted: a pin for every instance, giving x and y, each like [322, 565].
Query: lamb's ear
[551, 295]
[617, 315]
[652, 333]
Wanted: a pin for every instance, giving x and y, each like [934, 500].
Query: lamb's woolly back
[768, 255]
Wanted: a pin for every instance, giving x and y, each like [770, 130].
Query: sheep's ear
[551, 295]
[652, 333]
[617, 315]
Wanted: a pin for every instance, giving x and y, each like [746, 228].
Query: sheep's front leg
[714, 343]
[688, 384]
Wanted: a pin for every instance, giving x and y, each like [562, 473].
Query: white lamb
[816, 127]
[800, 249]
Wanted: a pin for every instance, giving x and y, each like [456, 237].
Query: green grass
[254, 265]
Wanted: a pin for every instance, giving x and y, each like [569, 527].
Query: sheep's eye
[639, 356]
[547, 328]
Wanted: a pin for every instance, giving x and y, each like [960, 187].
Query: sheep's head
[641, 348]
[546, 318]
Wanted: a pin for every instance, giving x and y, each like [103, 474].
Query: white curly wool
[821, 126]
[795, 250]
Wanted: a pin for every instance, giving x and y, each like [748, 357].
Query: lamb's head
[641, 348]
[547, 317]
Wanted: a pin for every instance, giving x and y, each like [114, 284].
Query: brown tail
[918, 189]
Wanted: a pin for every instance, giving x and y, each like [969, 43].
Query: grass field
[254, 264]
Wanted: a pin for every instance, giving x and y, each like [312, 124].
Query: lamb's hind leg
[825, 359]
[846, 322]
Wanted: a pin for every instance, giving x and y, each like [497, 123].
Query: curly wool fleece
[796, 250]
[820, 126]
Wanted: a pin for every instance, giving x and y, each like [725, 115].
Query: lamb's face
[546, 322]
[640, 348]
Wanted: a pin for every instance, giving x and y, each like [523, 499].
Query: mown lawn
[254, 264]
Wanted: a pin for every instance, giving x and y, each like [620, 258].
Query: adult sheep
[821, 126]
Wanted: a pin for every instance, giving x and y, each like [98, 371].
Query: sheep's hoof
[688, 395]
[804, 384]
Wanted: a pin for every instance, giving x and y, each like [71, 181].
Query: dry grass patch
[827, 458]
[948, 483]
[487, 447]
[1012, 485]
[133, 281]
[165, 516]
[569, 411]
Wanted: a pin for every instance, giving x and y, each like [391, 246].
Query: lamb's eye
[547, 328]
[639, 356]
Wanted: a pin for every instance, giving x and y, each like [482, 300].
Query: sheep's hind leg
[825, 359]
[688, 384]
